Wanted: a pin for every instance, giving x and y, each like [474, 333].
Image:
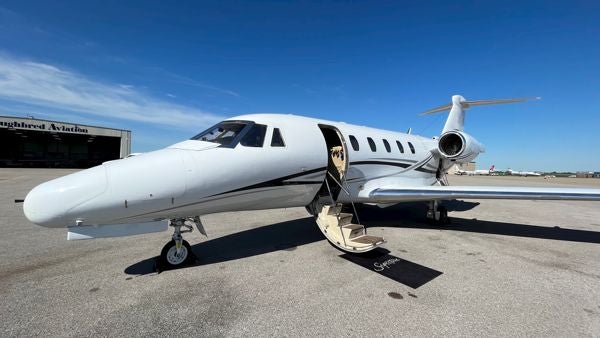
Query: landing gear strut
[437, 214]
[178, 251]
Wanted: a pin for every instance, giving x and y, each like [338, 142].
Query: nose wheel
[178, 251]
[173, 256]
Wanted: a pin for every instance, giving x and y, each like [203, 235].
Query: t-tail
[454, 144]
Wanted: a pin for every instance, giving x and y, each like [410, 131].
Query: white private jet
[522, 173]
[477, 172]
[269, 161]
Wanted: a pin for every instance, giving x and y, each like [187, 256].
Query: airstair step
[353, 230]
[337, 226]
[367, 239]
[334, 209]
[352, 226]
[345, 218]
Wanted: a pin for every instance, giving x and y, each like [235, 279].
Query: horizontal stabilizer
[467, 104]
[430, 193]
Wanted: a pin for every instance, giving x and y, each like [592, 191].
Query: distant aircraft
[522, 173]
[476, 172]
[265, 161]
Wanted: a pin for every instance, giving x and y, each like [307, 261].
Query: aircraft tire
[444, 219]
[169, 257]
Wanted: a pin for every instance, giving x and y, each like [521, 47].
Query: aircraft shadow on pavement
[287, 236]
[290, 234]
[412, 215]
[269, 238]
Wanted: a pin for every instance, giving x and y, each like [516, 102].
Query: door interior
[337, 160]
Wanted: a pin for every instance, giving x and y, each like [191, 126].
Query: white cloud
[48, 86]
[191, 82]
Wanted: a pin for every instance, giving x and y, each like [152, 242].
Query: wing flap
[482, 192]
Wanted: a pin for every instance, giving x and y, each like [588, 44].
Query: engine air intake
[451, 144]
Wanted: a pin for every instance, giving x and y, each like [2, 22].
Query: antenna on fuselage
[409, 131]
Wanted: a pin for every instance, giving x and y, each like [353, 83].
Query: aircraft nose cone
[34, 206]
[49, 203]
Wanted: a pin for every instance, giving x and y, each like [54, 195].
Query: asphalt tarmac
[501, 268]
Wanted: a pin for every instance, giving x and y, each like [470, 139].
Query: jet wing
[429, 193]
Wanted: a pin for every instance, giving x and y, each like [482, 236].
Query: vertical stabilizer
[456, 118]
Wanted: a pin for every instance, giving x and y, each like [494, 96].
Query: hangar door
[37, 149]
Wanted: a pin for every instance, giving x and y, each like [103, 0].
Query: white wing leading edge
[430, 193]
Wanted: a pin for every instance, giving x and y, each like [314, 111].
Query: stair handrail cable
[337, 216]
[329, 191]
[349, 197]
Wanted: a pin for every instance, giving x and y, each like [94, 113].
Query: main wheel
[171, 258]
[444, 219]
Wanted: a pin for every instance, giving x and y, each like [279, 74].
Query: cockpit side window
[277, 140]
[223, 133]
[255, 137]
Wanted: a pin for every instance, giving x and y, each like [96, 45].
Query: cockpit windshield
[223, 133]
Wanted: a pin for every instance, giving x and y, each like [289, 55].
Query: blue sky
[166, 71]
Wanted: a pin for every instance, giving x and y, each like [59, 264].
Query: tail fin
[456, 118]
[492, 168]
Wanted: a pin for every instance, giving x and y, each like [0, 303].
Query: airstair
[337, 226]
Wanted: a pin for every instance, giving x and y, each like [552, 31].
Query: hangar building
[29, 142]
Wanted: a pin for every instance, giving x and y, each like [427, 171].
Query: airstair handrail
[335, 206]
[347, 193]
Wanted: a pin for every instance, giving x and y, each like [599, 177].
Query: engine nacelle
[459, 146]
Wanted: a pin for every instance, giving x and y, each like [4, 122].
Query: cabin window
[372, 144]
[255, 137]
[354, 143]
[277, 140]
[223, 133]
[412, 149]
[387, 146]
[400, 147]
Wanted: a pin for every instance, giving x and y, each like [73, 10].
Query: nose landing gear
[178, 251]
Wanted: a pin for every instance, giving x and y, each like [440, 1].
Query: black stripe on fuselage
[211, 199]
[426, 170]
[395, 164]
[387, 159]
[279, 181]
[267, 184]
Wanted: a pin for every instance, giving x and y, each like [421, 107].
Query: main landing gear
[178, 251]
[437, 214]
